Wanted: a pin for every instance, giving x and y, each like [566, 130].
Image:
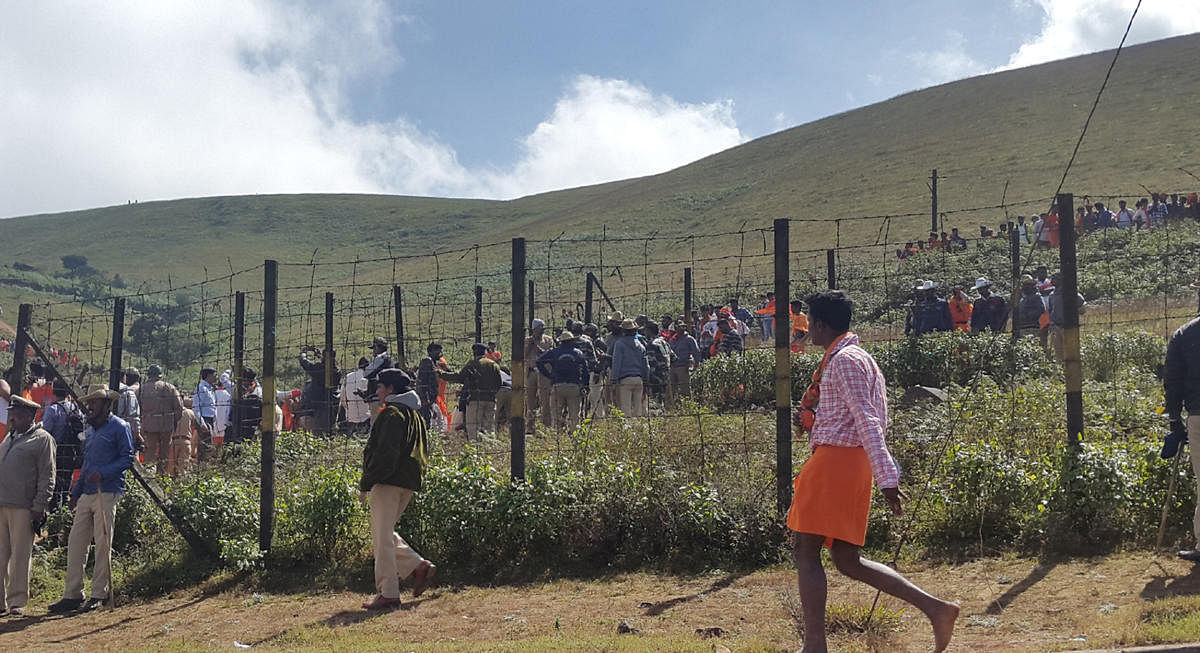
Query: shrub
[1108, 354]
[321, 519]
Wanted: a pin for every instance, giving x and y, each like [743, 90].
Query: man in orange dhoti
[833, 490]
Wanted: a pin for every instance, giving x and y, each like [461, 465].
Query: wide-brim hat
[379, 343]
[101, 393]
[982, 282]
[925, 285]
[17, 401]
[617, 316]
[628, 323]
[565, 336]
[154, 370]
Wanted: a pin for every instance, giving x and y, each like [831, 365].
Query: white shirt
[357, 410]
[224, 410]
[1124, 218]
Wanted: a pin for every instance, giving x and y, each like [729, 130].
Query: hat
[395, 377]
[982, 282]
[566, 336]
[101, 393]
[379, 343]
[628, 323]
[925, 285]
[154, 370]
[248, 374]
[132, 370]
[478, 348]
[617, 316]
[537, 323]
[17, 401]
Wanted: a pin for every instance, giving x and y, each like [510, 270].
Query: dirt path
[1007, 605]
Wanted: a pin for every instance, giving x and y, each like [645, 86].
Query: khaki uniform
[537, 387]
[26, 484]
[161, 410]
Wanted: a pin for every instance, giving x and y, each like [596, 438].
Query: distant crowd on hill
[1042, 229]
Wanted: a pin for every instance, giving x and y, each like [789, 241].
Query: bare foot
[943, 625]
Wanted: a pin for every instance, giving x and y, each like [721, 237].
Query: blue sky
[110, 102]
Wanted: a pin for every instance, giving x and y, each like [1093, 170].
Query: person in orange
[799, 326]
[832, 498]
[1050, 226]
[960, 309]
[492, 352]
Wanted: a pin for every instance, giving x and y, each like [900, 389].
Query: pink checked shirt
[853, 409]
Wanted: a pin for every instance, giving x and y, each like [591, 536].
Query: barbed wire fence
[728, 437]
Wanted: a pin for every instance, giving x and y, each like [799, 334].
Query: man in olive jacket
[26, 483]
[393, 466]
[481, 381]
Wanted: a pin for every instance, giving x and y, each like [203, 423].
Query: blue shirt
[629, 359]
[205, 402]
[54, 420]
[564, 364]
[108, 450]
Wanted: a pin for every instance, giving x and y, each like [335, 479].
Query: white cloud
[606, 129]
[1072, 27]
[113, 101]
[948, 63]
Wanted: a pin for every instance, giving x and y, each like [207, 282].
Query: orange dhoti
[833, 495]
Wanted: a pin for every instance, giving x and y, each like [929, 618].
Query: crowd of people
[1042, 230]
[1039, 311]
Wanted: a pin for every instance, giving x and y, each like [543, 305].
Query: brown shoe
[381, 602]
[422, 577]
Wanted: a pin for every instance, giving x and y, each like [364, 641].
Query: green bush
[1106, 355]
[321, 519]
[223, 512]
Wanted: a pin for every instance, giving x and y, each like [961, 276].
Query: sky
[106, 103]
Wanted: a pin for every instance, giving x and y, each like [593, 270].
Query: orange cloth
[960, 313]
[769, 309]
[3, 431]
[1051, 226]
[494, 355]
[799, 325]
[833, 495]
[42, 395]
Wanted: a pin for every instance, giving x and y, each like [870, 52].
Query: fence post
[20, 347]
[266, 503]
[933, 220]
[1014, 253]
[115, 372]
[478, 313]
[516, 418]
[830, 270]
[398, 301]
[531, 312]
[687, 295]
[329, 358]
[1072, 368]
[239, 354]
[588, 296]
[783, 371]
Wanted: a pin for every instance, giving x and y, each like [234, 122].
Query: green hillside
[1015, 127]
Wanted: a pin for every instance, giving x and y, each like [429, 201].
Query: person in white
[1124, 217]
[354, 386]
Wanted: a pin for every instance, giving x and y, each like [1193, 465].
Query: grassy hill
[1015, 128]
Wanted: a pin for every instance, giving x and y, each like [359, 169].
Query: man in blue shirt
[204, 405]
[107, 453]
[567, 369]
[630, 370]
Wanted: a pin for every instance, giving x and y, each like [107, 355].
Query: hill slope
[1017, 127]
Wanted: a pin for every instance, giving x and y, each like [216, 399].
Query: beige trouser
[1193, 427]
[158, 446]
[1056, 342]
[567, 404]
[629, 396]
[394, 558]
[16, 556]
[531, 399]
[680, 384]
[94, 517]
[481, 417]
[180, 457]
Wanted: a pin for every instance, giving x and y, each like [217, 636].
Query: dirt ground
[1007, 605]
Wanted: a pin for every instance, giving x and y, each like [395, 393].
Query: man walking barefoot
[833, 490]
